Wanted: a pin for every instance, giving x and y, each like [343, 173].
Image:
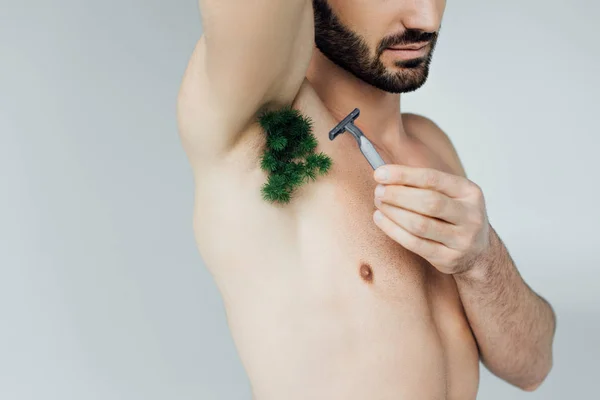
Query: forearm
[513, 326]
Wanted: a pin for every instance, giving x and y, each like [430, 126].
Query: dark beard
[350, 52]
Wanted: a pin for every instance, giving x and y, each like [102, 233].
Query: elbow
[547, 364]
[533, 385]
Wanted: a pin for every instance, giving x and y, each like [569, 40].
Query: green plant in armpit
[289, 156]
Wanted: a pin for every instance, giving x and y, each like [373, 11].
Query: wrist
[480, 268]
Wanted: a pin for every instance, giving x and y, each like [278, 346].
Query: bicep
[252, 52]
[255, 47]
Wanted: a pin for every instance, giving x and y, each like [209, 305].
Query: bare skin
[320, 302]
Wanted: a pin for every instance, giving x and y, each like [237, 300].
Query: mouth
[413, 47]
[409, 52]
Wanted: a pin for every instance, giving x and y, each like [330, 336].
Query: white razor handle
[368, 150]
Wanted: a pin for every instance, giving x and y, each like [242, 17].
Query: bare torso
[321, 303]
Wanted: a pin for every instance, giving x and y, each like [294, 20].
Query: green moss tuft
[289, 157]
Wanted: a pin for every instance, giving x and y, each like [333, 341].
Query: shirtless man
[323, 301]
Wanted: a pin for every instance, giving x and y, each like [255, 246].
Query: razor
[365, 145]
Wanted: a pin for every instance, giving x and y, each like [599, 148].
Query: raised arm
[252, 53]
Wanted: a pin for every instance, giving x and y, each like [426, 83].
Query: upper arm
[252, 53]
[436, 139]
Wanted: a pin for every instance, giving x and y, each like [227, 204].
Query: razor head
[341, 127]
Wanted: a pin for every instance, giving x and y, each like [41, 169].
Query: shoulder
[432, 136]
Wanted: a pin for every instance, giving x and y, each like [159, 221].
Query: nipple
[366, 273]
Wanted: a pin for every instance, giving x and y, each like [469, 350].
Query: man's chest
[329, 220]
[334, 219]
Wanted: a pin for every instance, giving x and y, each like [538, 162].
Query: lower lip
[408, 54]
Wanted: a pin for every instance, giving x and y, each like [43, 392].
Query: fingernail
[379, 191]
[382, 174]
[378, 215]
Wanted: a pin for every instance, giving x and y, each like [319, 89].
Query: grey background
[103, 294]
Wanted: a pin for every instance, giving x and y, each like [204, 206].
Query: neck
[341, 92]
